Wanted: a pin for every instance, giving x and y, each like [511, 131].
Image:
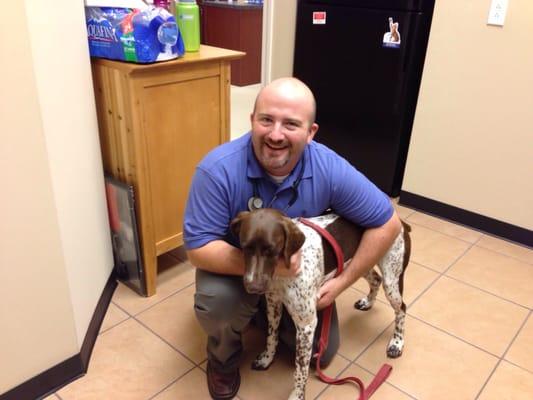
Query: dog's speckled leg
[374, 281]
[274, 309]
[392, 269]
[395, 346]
[304, 348]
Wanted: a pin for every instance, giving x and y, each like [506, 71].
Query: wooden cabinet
[237, 27]
[156, 122]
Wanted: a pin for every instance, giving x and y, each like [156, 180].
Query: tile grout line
[505, 255]
[165, 298]
[488, 378]
[355, 364]
[518, 366]
[171, 383]
[122, 309]
[165, 341]
[441, 274]
[516, 335]
[394, 386]
[487, 292]
[454, 336]
[444, 233]
[156, 303]
[114, 326]
[372, 342]
[476, 242]
[336, 376]
[321, 392]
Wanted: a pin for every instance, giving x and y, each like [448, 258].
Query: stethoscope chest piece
[255, 203]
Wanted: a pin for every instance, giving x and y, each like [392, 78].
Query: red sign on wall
[319, 17]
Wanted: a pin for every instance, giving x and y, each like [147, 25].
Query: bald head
[291, 89]
[282, 124]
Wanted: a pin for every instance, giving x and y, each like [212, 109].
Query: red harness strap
[384, 371]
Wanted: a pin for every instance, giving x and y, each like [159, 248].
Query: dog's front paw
[363, 304]
[297, 395]
[395, 348]
[262, 362]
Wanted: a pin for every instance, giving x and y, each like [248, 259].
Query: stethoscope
[255, 202]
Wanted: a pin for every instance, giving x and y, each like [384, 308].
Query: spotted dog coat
[266, 235]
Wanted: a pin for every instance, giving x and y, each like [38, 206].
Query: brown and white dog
[266, 235]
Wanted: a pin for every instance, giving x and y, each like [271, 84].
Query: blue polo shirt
[224, 182]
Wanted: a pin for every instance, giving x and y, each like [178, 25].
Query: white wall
[472, 139]
[55, 254]
[279, 23]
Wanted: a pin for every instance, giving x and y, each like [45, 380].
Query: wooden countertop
[205, 53]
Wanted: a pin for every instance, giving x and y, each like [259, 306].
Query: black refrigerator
[363, 60]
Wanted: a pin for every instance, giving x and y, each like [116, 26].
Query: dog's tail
[406, 226]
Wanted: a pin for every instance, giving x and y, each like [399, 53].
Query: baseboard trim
[74, 367]
[471, 219]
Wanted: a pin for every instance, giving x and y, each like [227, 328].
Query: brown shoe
[223, 385]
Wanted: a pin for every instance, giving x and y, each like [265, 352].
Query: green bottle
[188, 17]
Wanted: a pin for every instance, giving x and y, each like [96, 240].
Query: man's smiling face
[282, 125]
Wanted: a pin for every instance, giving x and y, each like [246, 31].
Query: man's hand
[328, 292]
[292, 270]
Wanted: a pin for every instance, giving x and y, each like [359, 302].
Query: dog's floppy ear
[235, 225]
[294, 239]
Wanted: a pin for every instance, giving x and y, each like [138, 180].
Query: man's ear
[312, 131]
[235, 225]
[294, 239]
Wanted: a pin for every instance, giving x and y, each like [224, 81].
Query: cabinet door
[182, 121]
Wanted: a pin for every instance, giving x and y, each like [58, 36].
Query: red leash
[384, 371]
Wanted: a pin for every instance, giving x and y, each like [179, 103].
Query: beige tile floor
[469, 330]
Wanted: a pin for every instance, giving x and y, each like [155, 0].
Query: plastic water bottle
[188, 17]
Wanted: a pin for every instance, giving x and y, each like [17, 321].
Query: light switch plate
[498, 9]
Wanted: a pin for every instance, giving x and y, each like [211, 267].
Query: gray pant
[224, 309]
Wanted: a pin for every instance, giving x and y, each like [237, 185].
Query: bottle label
[127, 38]
[128, 43]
